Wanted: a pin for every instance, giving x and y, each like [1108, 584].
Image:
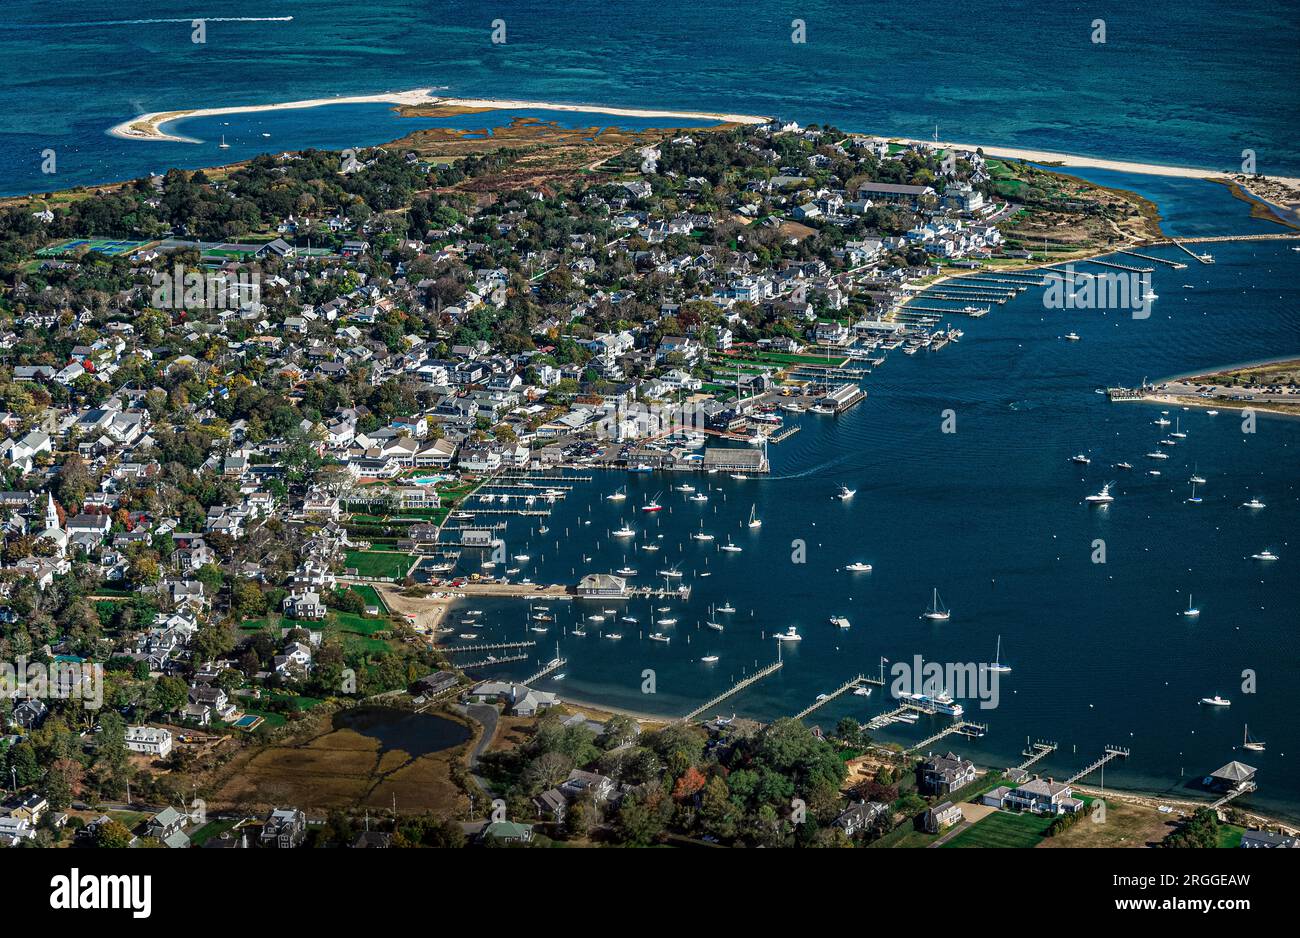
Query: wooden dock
[844, 688]
[487, 661]
[1035, 752]
[491, 646]
[1204, 259]
[1111, 752]
[553, 665]
[965, 727]
[1176, 265]
[735, 689]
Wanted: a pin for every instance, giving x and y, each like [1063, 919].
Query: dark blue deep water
[1182, 82]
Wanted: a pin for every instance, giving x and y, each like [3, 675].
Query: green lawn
[370, 595]
[210, 830]
[359, 625]
[1230, 836]
[376, 563]
[1003, 829]
[905, 836]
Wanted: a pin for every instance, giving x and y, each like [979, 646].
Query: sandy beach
[149, 126]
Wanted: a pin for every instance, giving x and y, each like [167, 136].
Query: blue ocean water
[993, 516]
[1175, 82]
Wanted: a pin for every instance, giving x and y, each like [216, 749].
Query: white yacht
[701, 536]
[522, 558]
[858, 567]
[699, 497]
[1264, 555]
[862, 692]
[1156, 454]
[613, 635]
[1216, 701]
[845, 493]
[1253, 503]
[659, 637]
[1103, 497]
[673, 573]
[650, 547]
[1080, 458]
[626, 571]
[727, 608]
[937, 612]
[789, 635]
[709, 659]
[666, 623]
[754, 520]
[1123, 465]
[686, 487]
[1072, 336]
[618, 496]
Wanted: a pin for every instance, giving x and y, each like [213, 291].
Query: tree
[112, 834]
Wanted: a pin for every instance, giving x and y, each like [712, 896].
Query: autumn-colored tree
[691, 781]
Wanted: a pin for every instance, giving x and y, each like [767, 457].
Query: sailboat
[1191, 611]
[997, 664]
[1194, 499]
[754, 520]
[1254, 745]
[1178, 433]
[223, 145]
[937, 612]
[710, 621]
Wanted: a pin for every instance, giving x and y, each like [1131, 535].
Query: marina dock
[1111, 752]
[735, 689]
[492, 646]
[1035, 752]
[487, 661]
[1176, 265]
[844, 688]
[553, 665]
[965, 727]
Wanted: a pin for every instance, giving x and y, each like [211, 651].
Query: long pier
[844, 688]
[1112, 752]
[1204, 259]
[982, 311]
[1035, 752]
[1128, 267]
[1176, 265]
[492, 646]
[487, 661]
[964, 727]
[735, 689]
[553, 665]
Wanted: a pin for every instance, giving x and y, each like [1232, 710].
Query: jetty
[490, 646]
[965, 727]
[487, 661]
[1111, 752]
[850, 684]
[1203, 258]
[734, 689]
[553, 665]
[1176, 265]
[1035, 752]
[1130, 268]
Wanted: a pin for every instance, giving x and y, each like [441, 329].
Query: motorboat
[858, 567]
[789, 635]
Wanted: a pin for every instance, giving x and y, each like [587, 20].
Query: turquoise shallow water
[1176, 82]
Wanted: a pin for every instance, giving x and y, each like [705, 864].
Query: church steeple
[51, 512]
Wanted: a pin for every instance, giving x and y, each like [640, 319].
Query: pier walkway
[487, 661]
[552, 665]
[1244, 789]
[1176, 265]
[735, 689]
[1112, 752]
[491, 646]
[965, 727]
[844, 688]
[1035, 752]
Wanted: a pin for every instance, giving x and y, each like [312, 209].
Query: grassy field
[370, 595]
[1004, 829]
[376, 563]
[905, 836]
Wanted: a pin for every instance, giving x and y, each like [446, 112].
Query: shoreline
[149, 127]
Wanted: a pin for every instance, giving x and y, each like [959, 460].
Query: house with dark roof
[941, 775]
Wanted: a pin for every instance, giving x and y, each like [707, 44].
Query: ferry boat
[754, 520]
[1254, 745]
[1103, 497]
[858, 567]
[1191, 612]
[1253, 503]
[845, 493]
[1264, 555]
[939, 703]
[1081, 459]
[997, 665]
[789, 635]
[937, 612]
[1216, 701]
[840, 621]
[1072, 336]
[709, 659]
[730, 547]
[659, 637]
[618, 496]
[624, 531]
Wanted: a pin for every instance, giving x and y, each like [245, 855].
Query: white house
[151, 740]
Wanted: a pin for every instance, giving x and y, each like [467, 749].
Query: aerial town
[261, 422]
